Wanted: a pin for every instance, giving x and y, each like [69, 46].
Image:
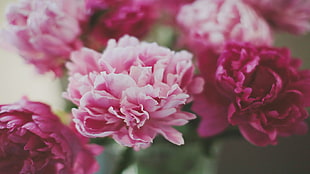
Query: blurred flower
[170, 8]
[134, 92]
[287, 15]
[259, 89]
[211, 23]
[44, 32]
[33, 140]
[115, 18]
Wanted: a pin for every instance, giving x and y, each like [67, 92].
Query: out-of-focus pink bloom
[259, 89]
[287, 15]
[211, 23]
[44, 32]
[104, 4]
[135, 92]
[170, 8]
[33, 140]
[115, 18]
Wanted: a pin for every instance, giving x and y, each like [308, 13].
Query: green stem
[207, 143]
[124, 162]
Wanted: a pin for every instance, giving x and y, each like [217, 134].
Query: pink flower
[259, 89]
[287, 15]
[45, 32]
[135, 92]
[170, 9]
[103, 4]
[211, 105]
[115, 18]
[211, 23]
[33, 140]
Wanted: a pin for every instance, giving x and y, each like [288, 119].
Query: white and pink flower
[209, 24]
[287, 15]
[135, 92]
[44, 32]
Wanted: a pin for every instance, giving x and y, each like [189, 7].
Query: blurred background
[18, 79]
[291, 156]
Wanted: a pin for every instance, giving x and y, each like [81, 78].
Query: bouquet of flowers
[143, 77]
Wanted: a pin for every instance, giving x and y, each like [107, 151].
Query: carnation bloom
[33, 140]
[115, 18]
[259, 89]
[287, 15]
[132, 92]
[44, 32]
[211, 23]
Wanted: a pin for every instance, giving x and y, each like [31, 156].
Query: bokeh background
[291, 156]
[18, 79]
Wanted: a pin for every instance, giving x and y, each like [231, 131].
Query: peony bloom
[44, 32]
[115, 18]
[258, 89]
[135, 91]
[33, 140]
[211, 23]
[287, 15]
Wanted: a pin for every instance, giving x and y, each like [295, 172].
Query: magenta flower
[115, 18]
[287, 15]
[258, 89]
[45, 32]
[211, 23]
[135, 92]
[33, 140]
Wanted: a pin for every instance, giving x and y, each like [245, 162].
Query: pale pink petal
[209, 24]
[137, 93]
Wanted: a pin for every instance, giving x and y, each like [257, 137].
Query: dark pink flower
[135, 92]
[259, 89]
[210, 104]
[211, 23]
[115, 18]
[287, 15]
[33, 140]
[44, 32]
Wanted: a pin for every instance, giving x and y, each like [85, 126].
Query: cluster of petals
[44, 32]
[132, 92]
[259, 89]
[115, 18]
[33, 140]
[287, 15]
[211, 23]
